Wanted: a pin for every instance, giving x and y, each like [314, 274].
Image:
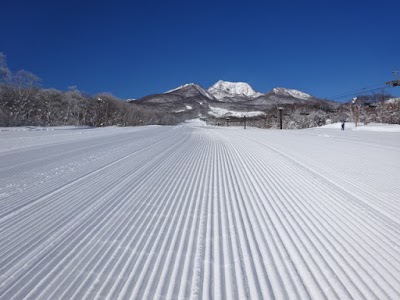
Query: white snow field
[197, 212]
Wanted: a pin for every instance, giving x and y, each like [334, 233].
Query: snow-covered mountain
[291, 93]
[190, 90]
[225, 89]
[230, 96]
[234, 92]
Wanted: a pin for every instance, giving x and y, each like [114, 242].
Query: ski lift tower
[396, 81]
[355, 108]
[280, 118]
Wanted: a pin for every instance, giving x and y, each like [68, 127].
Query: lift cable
[358, 92]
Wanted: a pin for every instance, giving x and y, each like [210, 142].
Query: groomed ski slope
[199, 212]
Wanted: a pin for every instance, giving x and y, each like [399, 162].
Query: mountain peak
[222, 89]
[291, 92]
[190, 89]
[181, 87]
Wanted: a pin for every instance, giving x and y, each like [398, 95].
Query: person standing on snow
[342, 125]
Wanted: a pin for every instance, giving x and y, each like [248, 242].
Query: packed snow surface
[195, 211]
[365, 127]
[222, 89]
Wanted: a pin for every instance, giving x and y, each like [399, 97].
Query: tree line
[24, 103]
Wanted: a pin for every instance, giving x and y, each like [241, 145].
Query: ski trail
[196, 212]
[393, 281]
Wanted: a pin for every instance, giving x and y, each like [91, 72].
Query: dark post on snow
[280, 117]
[244, 122]
[355, 107]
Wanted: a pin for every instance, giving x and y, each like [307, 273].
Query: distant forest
[24, 103]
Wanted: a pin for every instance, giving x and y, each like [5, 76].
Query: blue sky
[135, 48]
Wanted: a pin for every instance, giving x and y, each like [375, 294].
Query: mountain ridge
[226, 91]
[191, 100]
[190, 90]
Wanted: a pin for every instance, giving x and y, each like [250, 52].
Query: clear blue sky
[135, 48]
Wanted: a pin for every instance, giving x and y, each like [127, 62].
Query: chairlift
[396, 81]
[393, 83]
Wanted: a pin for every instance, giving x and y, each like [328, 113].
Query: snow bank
[362, 127]
[195, 122]
[40, 128]
[378, 127]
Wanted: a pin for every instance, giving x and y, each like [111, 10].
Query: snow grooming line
[201, 212]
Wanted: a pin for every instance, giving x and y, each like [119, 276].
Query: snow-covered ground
[219, 112]
[195, 211]
[187, 107]
[364, 127]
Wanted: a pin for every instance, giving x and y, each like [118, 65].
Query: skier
[342, 125]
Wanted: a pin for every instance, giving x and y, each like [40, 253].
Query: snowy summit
[191, 86]
[182, 86]
[223, 89]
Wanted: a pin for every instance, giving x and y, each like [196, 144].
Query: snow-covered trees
[22, 102]
[17, 94]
